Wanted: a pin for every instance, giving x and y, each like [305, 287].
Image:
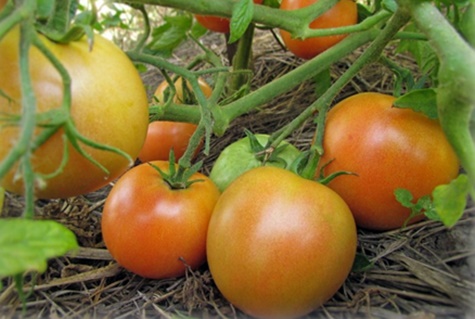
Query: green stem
[455, 98]
[28, 113]
[294, 21]
[371, 54]
[242, 60]
[304, 72]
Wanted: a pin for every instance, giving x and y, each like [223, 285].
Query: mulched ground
[423, 271]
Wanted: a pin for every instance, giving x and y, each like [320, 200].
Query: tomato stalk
[455, 98]
[241, 60]
[295, 21]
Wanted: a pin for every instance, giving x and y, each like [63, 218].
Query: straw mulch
[423, 271]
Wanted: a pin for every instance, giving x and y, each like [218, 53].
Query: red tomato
[162, 136]
[344, 13]
[387, 148]
[151, 229]
[215, 23]
[109, 106]
[279, 245]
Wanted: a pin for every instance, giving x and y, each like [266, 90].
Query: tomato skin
[344, 13]
[109, 112]
[148, 227]
[215, 23]
[387, 148]
[162, 136]
[279, 245]
[238, 158]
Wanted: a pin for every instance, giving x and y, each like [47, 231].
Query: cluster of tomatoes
[276, 244]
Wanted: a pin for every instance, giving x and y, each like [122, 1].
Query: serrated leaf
[421, 100]
[171, 34]
[26, 245]
[404, 197]
[240, 19]
[450, 199]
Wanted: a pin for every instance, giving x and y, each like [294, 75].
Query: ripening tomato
[109, 106]
[343, 13]
[215, 23]
[162, 136]
[388, 148]
[152, 229]
[279, 245]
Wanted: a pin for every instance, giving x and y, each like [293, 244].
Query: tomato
[344, 13]
[279, 245]
[238, 158]
[387, 148]
[151, 229]
[215, 23]
[162, 136]
[109, 106]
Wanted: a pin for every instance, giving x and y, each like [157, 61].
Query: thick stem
[455, 97]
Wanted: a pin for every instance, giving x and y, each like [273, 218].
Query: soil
[422, 271]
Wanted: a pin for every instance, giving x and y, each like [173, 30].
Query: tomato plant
[343, 13]
[242, 155]
[387, 148]
[153, 229]
[99, 109]
[215, 23]
[163, 136]
[279, 245]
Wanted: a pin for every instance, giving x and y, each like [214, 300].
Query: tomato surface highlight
[109, 106]
[163, 136]
[343, 13]
[388, 148]
[279, 245]
[238, 157]
[151, 229]
[215, 23]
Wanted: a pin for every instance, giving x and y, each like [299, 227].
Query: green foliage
[450, 200]
[26, 245]
[172, 32]
[422, 206]
[421, 100]
[241, 18]
[422, 52]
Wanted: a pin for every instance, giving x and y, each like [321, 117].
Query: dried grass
[424, 271]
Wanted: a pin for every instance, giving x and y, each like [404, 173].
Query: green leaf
[240, 19]
[361, 263]
[421, 100]
[404, 197]
[170, 34]
[450, 200]
[26, 245]
[422, 52]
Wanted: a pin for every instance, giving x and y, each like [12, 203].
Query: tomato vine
[452, 40]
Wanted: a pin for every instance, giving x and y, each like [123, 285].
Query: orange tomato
[279, 245]
[388, 148]
[109, 106]
[344, 13]
[163, 136]
[154, 230]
